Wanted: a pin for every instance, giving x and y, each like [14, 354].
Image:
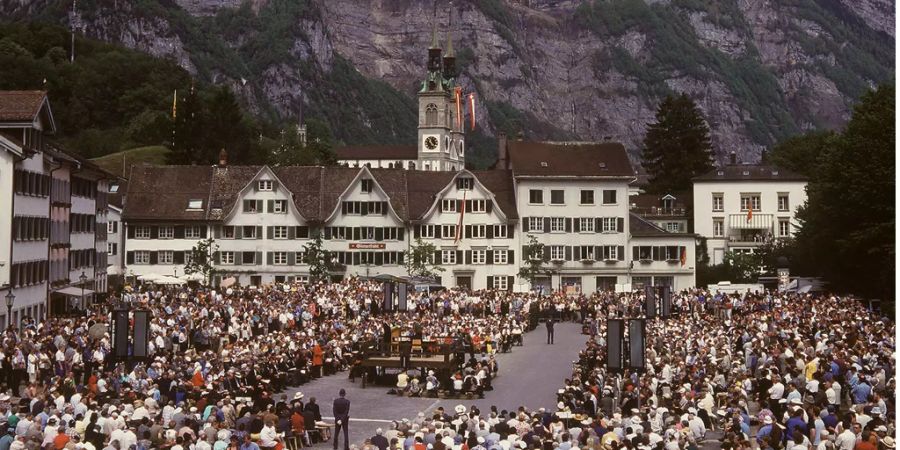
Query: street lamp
[83, 279]
[10, 300]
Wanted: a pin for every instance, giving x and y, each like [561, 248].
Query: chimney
[223, 158]
[733, 159]
[501, 151]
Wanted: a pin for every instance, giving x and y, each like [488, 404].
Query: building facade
[738, 208]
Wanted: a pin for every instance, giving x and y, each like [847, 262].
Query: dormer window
[366, 186]
[265, 185]
[746, 173]
[113, 188]
[602, 165]
[464, 183]
[195, 204]
[543, 163]
[721, 173]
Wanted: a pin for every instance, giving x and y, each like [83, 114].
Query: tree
[742, 267]
[318, 259]
[420, 260]
[676, 147]
[532, 261]
[847, 224]
[200, 259]
[314, 150]
[801, 154]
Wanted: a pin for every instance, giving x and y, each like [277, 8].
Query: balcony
[655, 211]
[756, 222]
[749, 237]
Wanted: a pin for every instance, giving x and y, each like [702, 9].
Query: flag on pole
[462, 214]
[458, 92]
[472, 105]
[749, 211]
[683, 256]
[175, 104]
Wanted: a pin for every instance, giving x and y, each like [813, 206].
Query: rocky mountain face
[760, 70]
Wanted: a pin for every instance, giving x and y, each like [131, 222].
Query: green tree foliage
[317, 151]
[677, 146]
[848, 221]
[319, 260]
[201, 259]
[801, 153]
[532, 258]
[420, 260]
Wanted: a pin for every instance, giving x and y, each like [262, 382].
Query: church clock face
[431, 142]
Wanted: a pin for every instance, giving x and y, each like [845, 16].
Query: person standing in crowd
[341, 411]
[550, 332]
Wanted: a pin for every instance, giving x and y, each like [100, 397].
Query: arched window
[412, 165]
[431, 114]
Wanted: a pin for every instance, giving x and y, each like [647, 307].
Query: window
[111, 249]
[557, 224]
[586, 224]
[718, 227]
[479, 256]
[248, 258]
[585, 252]
[609, 196]
[142, 233]
[465, 184]
[448, 257]
[252, 206]
[478, 206]
[610, 252]
[479, 231]
[111, 227]
[166, 232]
[366, 186]
[391, 234]
[367, 233]
[784, 227]
[427, 231]
[783, 202]
[609, 225]
[142, 257]
[195, 204]
[557, 252]
[193, 232]
[536, 196]
[501, 282]
[431, 114]
[718, 202]
[227, 232]
[352, 208]
[392, 258]
[501, 256]
[227, 258]
[279, 232]
[279, 206]
[249, 232]
[536, 224]
[166, 257]
[340, 233]
[749, 200]
[643, 253]
[587, 197]
[448, 205]
[673, 227]
[448, 231]
[500, 232]
[279, 258]
[557, 197]
[265, 185]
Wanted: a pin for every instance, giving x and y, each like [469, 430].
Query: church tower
[441, 144]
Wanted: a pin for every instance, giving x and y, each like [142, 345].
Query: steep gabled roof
[163, 192]
[569, 159]
[24, 106]
[388, 152]
[500, 183]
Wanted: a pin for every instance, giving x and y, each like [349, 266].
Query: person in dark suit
[379, 440]
[549, 322]
[341, 410]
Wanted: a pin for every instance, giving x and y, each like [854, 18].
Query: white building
[739, 207]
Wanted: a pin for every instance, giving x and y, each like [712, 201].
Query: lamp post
[83, 279]
[10, 300]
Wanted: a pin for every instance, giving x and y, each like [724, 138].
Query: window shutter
[343, 208]
[459, 257]
[468, 230]
[490, 282]
[400, 233]
[525, 225]
[546, 255]
[598, 225]
[509, 282]
[258, 259]
[270, 256]
[270, 232]
[577, 253]
[488, 205]
[576, 225]
[489, 232]
[154, 232]
[379, 234]
[178, 257]
[620, 254]
[468, 205]
[292, 232]
[417, 231]
[489, 256]
[468, 254]
[439, 230]
[364, 210]
[437, 257]
[259, 206]
[259, 231]
[179, 231]
[238, 258]
[635, 253]
[217, 231]
[270, 206]
[459, 205]
[303, 232]
[154, 257]
[216, 257]
[510, 256]
[568, 252]
[568, 224]
[546, 224]
[238, 232]
[620, 224]
[510, 231]
[129, 256]
[292, 258]
[327, 233]
[203, 231]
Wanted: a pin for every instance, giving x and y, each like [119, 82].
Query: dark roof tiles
[569, 159]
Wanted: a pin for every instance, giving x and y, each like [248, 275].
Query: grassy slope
[113, 162]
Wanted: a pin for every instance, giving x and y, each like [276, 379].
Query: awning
[757, 222]
[73, 291]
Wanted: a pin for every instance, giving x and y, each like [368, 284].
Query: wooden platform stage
[438, 362]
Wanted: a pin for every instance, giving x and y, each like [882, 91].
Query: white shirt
[845, 440]
[776, 391]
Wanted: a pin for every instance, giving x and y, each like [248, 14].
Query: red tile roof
[20, 106]
[569, 159]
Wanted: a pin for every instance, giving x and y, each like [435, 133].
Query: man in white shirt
[268, 436]
[846, 440]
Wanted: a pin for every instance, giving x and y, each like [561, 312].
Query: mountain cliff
[760, 70]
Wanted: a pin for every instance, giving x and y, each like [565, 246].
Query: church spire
[449, 56]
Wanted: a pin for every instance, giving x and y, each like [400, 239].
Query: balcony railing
[654, 211]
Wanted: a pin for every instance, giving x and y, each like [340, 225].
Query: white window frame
[226, 258]
[391, 234]
[142, 257]
[718, 202]
[500, 282]
[167, 232]
[479, 206]
[280, 232]
[581, 197]
[365, 185]
[367, 233]
[111, 248]
[557, 252]
[787, 202]
[165, 257]
[340, 233]
[609, 224]
[279, 206]
[195, 204]
[603, 197]
[142, 232]
[560, 191]
[587, 253]
[479, 256]
[718, 228]
[673, 227]
[265, 185]
[244, 235]
[448, 205]
[752, 198]
[501, 256]
[586, 224]
[557, 224]
[428, 231]
[500, 232]
[192, 232]
[225, 232]
[465, 184]
[109, 227]
[535, 224]
[479, 231]
[781, 224]
[535, 203]
[448, 257]
[610, 252]
[448, 231]
[279, 258]
[354, 209]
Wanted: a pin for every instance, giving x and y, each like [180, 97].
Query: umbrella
[150, 277]
[192, 277]
[168, 280]
[98, 330]
[228, 282]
